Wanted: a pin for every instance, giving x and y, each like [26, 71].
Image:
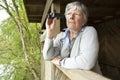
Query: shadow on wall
[109, 54]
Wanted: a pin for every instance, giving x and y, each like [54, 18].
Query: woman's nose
[71, 16]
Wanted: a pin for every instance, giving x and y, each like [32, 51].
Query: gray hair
[79, 6]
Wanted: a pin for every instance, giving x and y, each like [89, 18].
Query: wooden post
[42, 68]
[47, 7]
[47, 66]
[56, 8]
[49, 70]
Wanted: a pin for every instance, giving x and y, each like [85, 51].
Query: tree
[27, 40]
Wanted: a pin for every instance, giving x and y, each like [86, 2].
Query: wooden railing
[50, 71]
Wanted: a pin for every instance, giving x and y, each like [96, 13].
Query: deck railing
[50, 71]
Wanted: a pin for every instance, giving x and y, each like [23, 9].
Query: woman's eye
[68, 14]
[76, 14]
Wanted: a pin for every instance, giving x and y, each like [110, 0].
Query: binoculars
[55, 15]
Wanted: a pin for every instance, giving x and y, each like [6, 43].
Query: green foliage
[11, 48]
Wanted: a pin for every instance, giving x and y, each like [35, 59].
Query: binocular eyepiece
[55, 15]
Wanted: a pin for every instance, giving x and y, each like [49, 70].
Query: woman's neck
[73, 34]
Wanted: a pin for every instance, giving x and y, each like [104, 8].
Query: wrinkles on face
[74, 19]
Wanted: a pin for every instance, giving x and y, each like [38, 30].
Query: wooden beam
[47, 7]
[56, 8]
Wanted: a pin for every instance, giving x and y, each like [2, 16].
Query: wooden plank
[63, 77]
[42, 68]
[82, 74]
[59, 75]
[49, 71]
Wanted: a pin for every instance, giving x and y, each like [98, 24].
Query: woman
[77, 47]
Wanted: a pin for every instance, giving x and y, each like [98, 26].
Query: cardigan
[84, 52]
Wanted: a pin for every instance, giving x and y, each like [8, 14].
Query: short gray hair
[78, 5]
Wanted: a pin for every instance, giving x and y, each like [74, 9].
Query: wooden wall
[109, 54]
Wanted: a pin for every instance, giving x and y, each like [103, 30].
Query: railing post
[42, 68]
[49, 70]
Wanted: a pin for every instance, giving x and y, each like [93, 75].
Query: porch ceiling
[99, 10]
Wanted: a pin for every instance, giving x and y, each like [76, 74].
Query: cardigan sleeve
[52, 47]
[88, 53]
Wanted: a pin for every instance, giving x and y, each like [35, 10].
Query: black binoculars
[55, 15]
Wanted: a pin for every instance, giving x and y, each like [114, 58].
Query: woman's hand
[50, 26]
[56, 60]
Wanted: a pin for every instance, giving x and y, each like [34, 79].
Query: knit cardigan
[84, 52]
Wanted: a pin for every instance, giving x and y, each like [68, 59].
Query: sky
[3, 15]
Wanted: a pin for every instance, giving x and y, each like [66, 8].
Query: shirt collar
[67, 32]
[66, 35]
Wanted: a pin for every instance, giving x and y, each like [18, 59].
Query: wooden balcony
[50, 71]
[104, 15]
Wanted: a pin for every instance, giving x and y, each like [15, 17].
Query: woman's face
[74, 19]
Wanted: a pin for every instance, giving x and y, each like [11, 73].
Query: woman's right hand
[50, 26]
